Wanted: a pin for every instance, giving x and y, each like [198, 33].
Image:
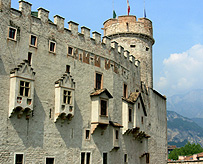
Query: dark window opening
[29, 57]
[125, 158]
[132, 46]
[52, 47]
[19, 159]
[82, 158]
[138, 105]
[98, 81]
[67, 69]
[24, 88]
[147, 48]
[147, 158]
[33, 40]
[103, 108]
[142, 120]
[49, 160]
[117, 134]
[70, 50]
[125, 91]
[104, 158]
[12, 33]
[130, 115]
[88, 158]
[87, 134]
[127, 26]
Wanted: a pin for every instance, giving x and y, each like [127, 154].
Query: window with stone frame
[98, 80]
[19, 159]
[103, 106]
[87, 134]
[125, 158]
[117, 134]
[12, 32]
[24, 88]
[125, 90]
[85, 157]
[67, 97]
[70, 51]
[33, 40]
[52, 46]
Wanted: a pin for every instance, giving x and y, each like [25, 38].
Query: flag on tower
[114, 14]
[128, 7]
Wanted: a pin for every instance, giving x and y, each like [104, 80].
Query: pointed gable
[66, 81]
[101, 91]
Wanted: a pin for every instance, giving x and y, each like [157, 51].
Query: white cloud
[182, 71]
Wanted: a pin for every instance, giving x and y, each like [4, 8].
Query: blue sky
[178, 31]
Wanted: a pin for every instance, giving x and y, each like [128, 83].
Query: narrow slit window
[138, 105]
[19, 159]
[88, 158]
[105, 158]
[130, 115]
[82, 158]
[98, 81]
[87, 134]
[49, 160]
[125, 91]
[103, 108]
[29, 58]
[142, 119]
[117, 134]
[12, 33]
[52, 46]
[125, 158]
[33, 40]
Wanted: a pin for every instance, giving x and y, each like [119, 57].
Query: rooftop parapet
[59, 21]
[73, 27]
[43, 14]
[85, 31]
[96, 36]
[128, 24]
[25, 7]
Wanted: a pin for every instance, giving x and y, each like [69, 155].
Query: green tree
[187, 150]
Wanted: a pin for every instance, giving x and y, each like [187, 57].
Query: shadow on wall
[71, 130]
[31, 131]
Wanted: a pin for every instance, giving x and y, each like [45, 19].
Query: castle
[69, 98]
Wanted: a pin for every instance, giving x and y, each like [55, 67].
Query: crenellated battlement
[56, 31]
[128, 24]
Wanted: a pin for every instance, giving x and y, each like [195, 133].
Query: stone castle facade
[69, 98]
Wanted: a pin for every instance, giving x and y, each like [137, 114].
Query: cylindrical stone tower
[136, 36]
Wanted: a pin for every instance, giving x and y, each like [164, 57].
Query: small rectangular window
[52, 46]
[98, 81]
[67, 69]
[147, 158]
[105, 158]
[125, 158]
[103, 108]
[12, 33]
[24, 88]
[33, 40]
[142, 118]
[19, 159]
[70, 50]
[138, 105]
[147, 48]
[87, 134]
[117, 134]
[129, 114]
[49, 160]
[125, 91]
[67, 96]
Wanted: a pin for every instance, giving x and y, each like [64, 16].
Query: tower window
[49, 160]
[67, 95]
[142, 118]
[147, 48]
[98, 81]
[132, 46]
[24, 88]
[33, 40]
[117, 134]
[125, 158]
[138, 105]
[104, 158]
[52, 46]
[19, 159]
[12, 33]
